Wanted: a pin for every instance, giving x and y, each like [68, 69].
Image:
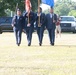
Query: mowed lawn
[36, 60]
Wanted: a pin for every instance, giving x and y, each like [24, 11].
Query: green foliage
[72, 13]
[62, 10]
[11, 5]
[62, 7]
[65, 7]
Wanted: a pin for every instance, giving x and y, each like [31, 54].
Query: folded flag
[48, 2]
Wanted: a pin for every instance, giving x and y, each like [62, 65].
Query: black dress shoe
[18, 44]
[52, 44]
[40, 44]
[29, 44]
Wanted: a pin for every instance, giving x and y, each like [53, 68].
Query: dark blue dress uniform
[29, 29]
[50, 25]
[40, 28]
[18, 22]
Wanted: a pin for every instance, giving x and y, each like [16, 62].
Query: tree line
[62, 7]
[65, 7]
[10, 5]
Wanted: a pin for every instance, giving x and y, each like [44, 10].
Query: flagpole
[28, 18]
[38, 13]
[27, 11]
[16, 9]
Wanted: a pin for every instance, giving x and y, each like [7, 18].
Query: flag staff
[28, 17]
[16, 9]
[27, 8]
[38, 14]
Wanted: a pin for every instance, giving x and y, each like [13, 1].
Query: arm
[36, 17]
[45, 23]
[13, 21]
[33, 18]
[43, 19]
[23, 22]
[24, 14]
[55, 18]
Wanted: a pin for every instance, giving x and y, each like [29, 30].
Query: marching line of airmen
[26, 21]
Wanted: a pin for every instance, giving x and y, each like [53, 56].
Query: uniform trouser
[51, 33]
[40, 32]
[29, 32]
[18, 33]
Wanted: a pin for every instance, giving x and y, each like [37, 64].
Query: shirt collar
[39, 14]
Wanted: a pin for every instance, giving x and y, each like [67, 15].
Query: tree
[63, 7]
[11, 5]
[62, 10]
[72, 13]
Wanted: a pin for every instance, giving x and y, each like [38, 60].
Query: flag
[48, 2]
[28, 4]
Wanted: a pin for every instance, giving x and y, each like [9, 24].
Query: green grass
[36, 60]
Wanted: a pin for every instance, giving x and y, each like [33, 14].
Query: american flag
[28, 4]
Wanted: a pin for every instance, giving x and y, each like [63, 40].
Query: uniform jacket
[18, 22]
[49, 21]
[31, 18]
[42, 20]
